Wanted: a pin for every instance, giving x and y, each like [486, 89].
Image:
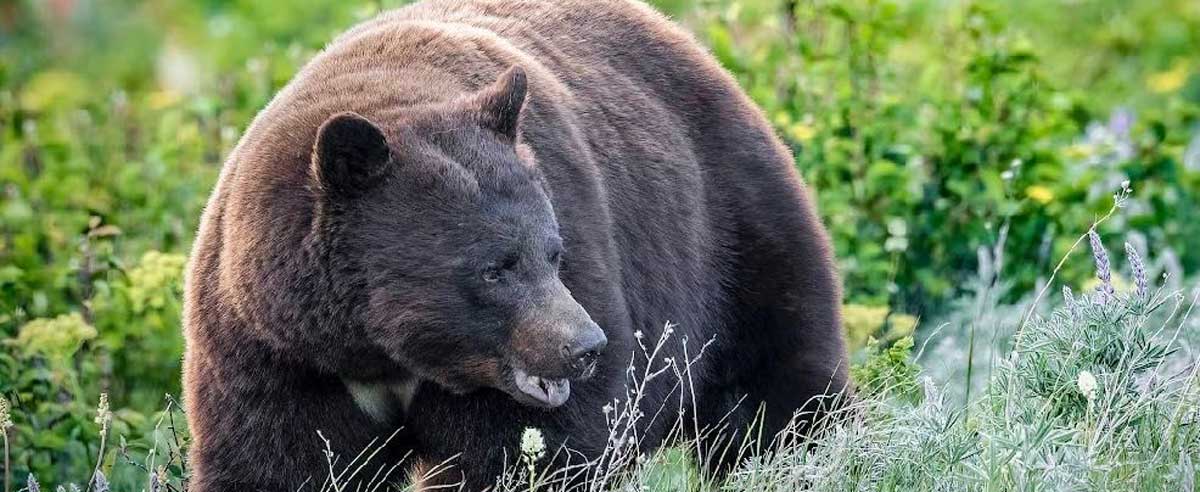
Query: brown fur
[675, 202]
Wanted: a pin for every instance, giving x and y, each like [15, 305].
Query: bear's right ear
[350, 155]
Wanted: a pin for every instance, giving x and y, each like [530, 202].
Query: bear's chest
[384, 401]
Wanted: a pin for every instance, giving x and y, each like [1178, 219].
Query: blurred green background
[948, 141]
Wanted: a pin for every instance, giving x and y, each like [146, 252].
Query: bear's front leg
[257, 430]
[473, 440]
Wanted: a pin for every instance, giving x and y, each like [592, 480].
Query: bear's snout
[583, 351]
[554, 343]
[558, 346]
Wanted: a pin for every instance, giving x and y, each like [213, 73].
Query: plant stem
[99, 459]
[7, 464]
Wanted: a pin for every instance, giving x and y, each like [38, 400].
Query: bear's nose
[583, 351]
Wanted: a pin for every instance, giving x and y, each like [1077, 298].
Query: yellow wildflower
[1169, 80]
[163, 99]
[1040, 194]
[802, 132]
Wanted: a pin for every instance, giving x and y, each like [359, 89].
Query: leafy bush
[125, 343]
[930, 131]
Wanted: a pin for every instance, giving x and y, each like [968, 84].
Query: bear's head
[450, 226]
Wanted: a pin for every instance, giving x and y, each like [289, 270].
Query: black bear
[459, 219]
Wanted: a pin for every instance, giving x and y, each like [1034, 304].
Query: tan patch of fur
[406, 391]
[371, 398]
[380, 400]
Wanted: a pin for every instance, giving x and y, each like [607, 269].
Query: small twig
[171, 404]
[124, 454]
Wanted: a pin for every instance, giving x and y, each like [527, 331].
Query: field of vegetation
[1012, 186]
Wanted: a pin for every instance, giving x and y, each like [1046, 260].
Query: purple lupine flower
[1112, 141]
[1069, 299]
[99, 483]
[1119, 125]
[31, 484]
[1105, 290]
[1139, 271]
[1120, 122]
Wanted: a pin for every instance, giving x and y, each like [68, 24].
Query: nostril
[598, 347]
[579, 352]
[589, 349]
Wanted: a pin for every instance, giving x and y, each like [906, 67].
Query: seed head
[103, 414]
[5, 415]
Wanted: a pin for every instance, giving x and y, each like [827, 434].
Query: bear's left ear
[350, 155]
[501, 103]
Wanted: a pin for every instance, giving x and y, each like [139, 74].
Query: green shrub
[930, 131]
[888, 371]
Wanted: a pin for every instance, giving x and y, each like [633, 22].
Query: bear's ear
[501, 102]
[350, 154]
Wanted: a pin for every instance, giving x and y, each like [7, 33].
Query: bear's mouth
[544, 392]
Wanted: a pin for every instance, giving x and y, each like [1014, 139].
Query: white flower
[533, 445]
[1087, 384]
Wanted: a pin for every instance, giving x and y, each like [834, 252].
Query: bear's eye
[491, 275]
[556, 257]
[496, 272]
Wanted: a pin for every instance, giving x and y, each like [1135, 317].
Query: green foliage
[888, 371]
[55, 339]
[864, 323]
[932, 129]
[59, 366]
